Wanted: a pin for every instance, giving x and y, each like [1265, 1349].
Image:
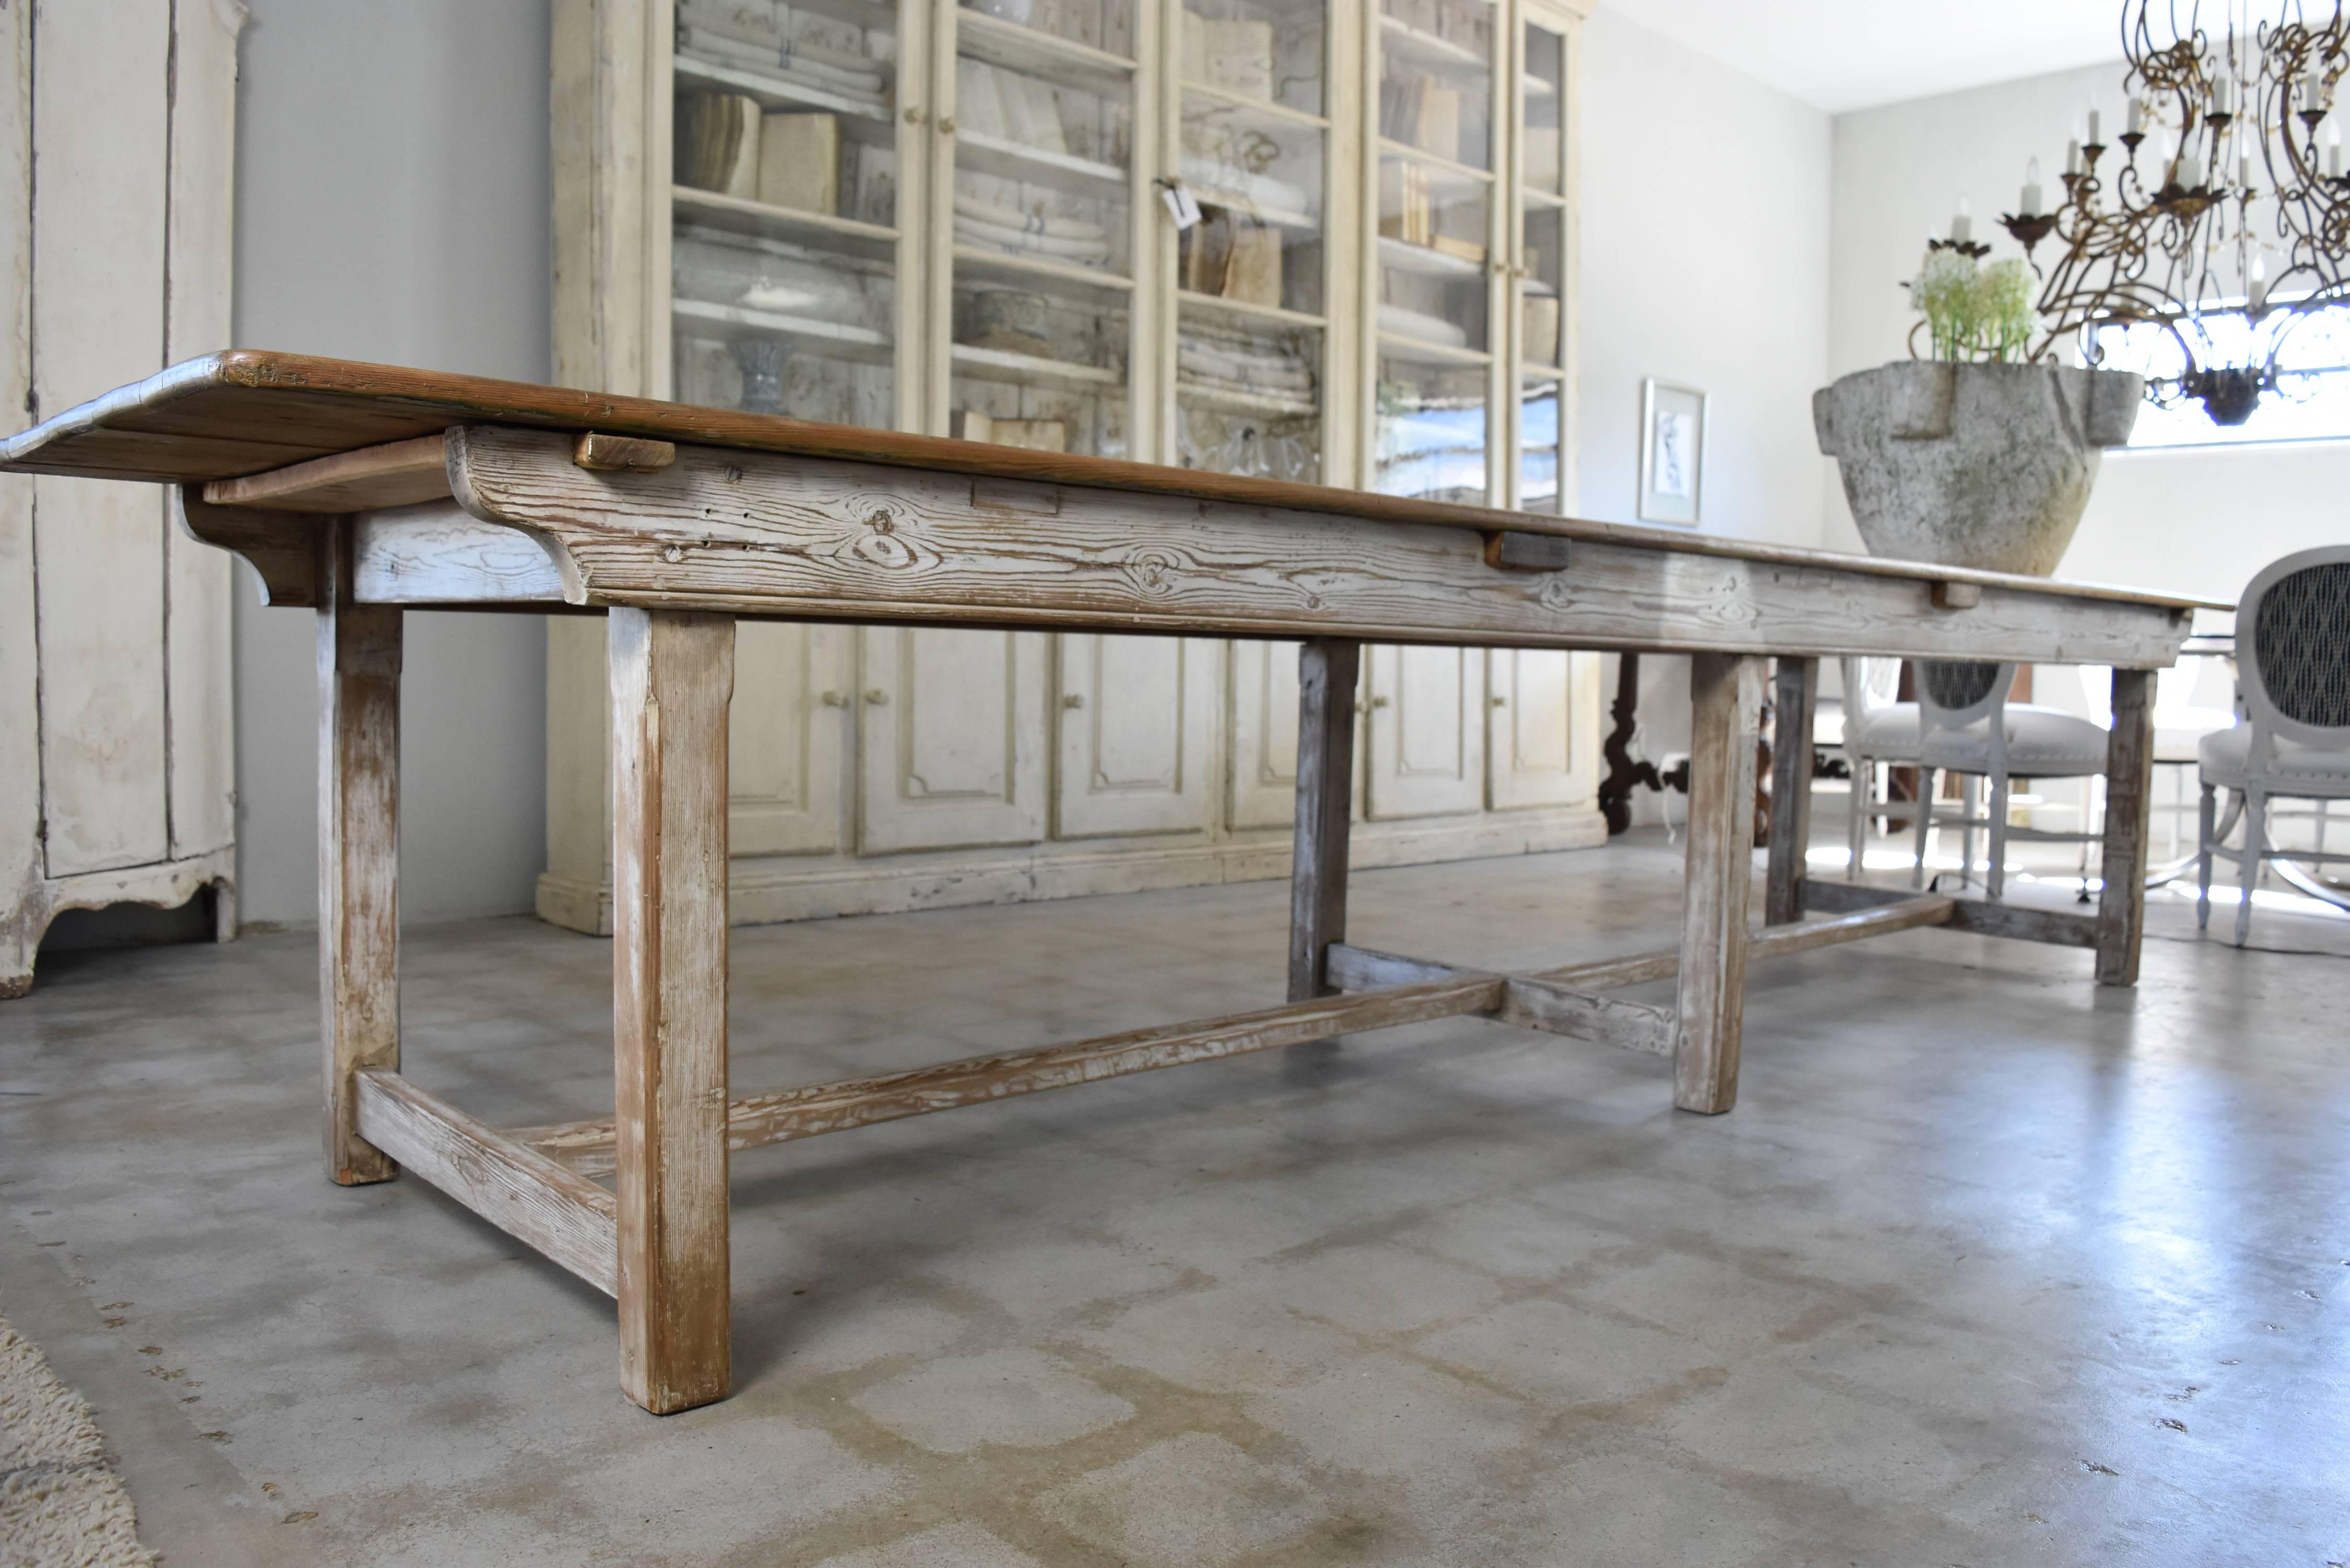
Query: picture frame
[1672, 453]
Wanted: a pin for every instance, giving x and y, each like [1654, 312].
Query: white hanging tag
[1181, 205]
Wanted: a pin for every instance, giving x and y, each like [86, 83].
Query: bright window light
[2312, 404]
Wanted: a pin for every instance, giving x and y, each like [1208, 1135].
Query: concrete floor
[1988, 1267]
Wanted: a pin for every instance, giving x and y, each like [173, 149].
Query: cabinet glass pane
[1538, 443]
[1429, 430]
[1250, 330]
[1542, 268]
[786, 208]
[1044, 126]
[784, 286]
[1436, 77]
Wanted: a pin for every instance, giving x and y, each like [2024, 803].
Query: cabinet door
[953, 738]
[1256, 278]
[1539, 477]
[1041, 237]
[100, 103]
[784, 737]
[1427, 730]
[1541, 726]
[1136, 722]
[1434, 270]
[1263, 709]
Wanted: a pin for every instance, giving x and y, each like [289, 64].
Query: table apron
[763, 536]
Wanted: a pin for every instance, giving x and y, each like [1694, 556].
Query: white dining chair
[2292, 674]
[1967, 726]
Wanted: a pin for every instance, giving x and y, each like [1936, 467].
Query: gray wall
[1706, 201]
[392, 205]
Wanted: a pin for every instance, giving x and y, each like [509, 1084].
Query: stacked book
[1028, 231]
[1233, 361]
[754, 35]
[726, 143]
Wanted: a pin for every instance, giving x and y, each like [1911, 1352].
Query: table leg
[1327, 671]
[1726, 694]
[2129, 795]
[1791, 789]
[673, 673]
[359, 852]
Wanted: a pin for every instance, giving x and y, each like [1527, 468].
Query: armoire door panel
[100, 119]
[1427, 730]
[784, 737]
[1542, 730]
[952, 738]
[1136, 722]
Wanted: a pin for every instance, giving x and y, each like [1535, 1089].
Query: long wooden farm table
[361, 490]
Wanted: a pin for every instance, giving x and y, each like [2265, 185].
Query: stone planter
[1973, 465]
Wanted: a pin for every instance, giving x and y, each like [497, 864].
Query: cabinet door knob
[834, 699]
[877, 697]
[947, 125]
[913, 115]
[1073, 700]
[1378, 701]
[1499, 702]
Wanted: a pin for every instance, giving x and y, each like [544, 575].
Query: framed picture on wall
[1672, 453]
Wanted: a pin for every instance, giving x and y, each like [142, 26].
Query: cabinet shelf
[1446, 174]
[1022, 49]
[1034, 370]
[1428, 51]
[833, 340]
[1263, 405]
[1426, 260]
[985, 154]
[1243, 106]
[1012, 266]
[1193, 299]
[861, 121]
[1419, 351]
[714, 210]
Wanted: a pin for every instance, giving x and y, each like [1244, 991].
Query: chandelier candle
[2029, 205]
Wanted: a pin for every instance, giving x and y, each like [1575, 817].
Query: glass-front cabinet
[1328, 240]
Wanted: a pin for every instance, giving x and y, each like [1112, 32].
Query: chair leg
[1864, 786]
[1996, 873]
[1926, 780]
[2206, 815]
[1968, 802]
[2256, 825]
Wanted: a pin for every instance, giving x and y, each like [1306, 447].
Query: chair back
[1870, 685]
[2292, 650]
[1958, 694]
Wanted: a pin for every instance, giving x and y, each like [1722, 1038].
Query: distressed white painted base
[166, 886]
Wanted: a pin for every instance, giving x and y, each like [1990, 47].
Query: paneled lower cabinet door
[953, 731]
[1544, 744]
[785, 734]
[1136, 724]
[1427, 730]
[1264, 749]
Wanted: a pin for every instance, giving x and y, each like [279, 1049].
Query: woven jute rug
[61, 1504]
